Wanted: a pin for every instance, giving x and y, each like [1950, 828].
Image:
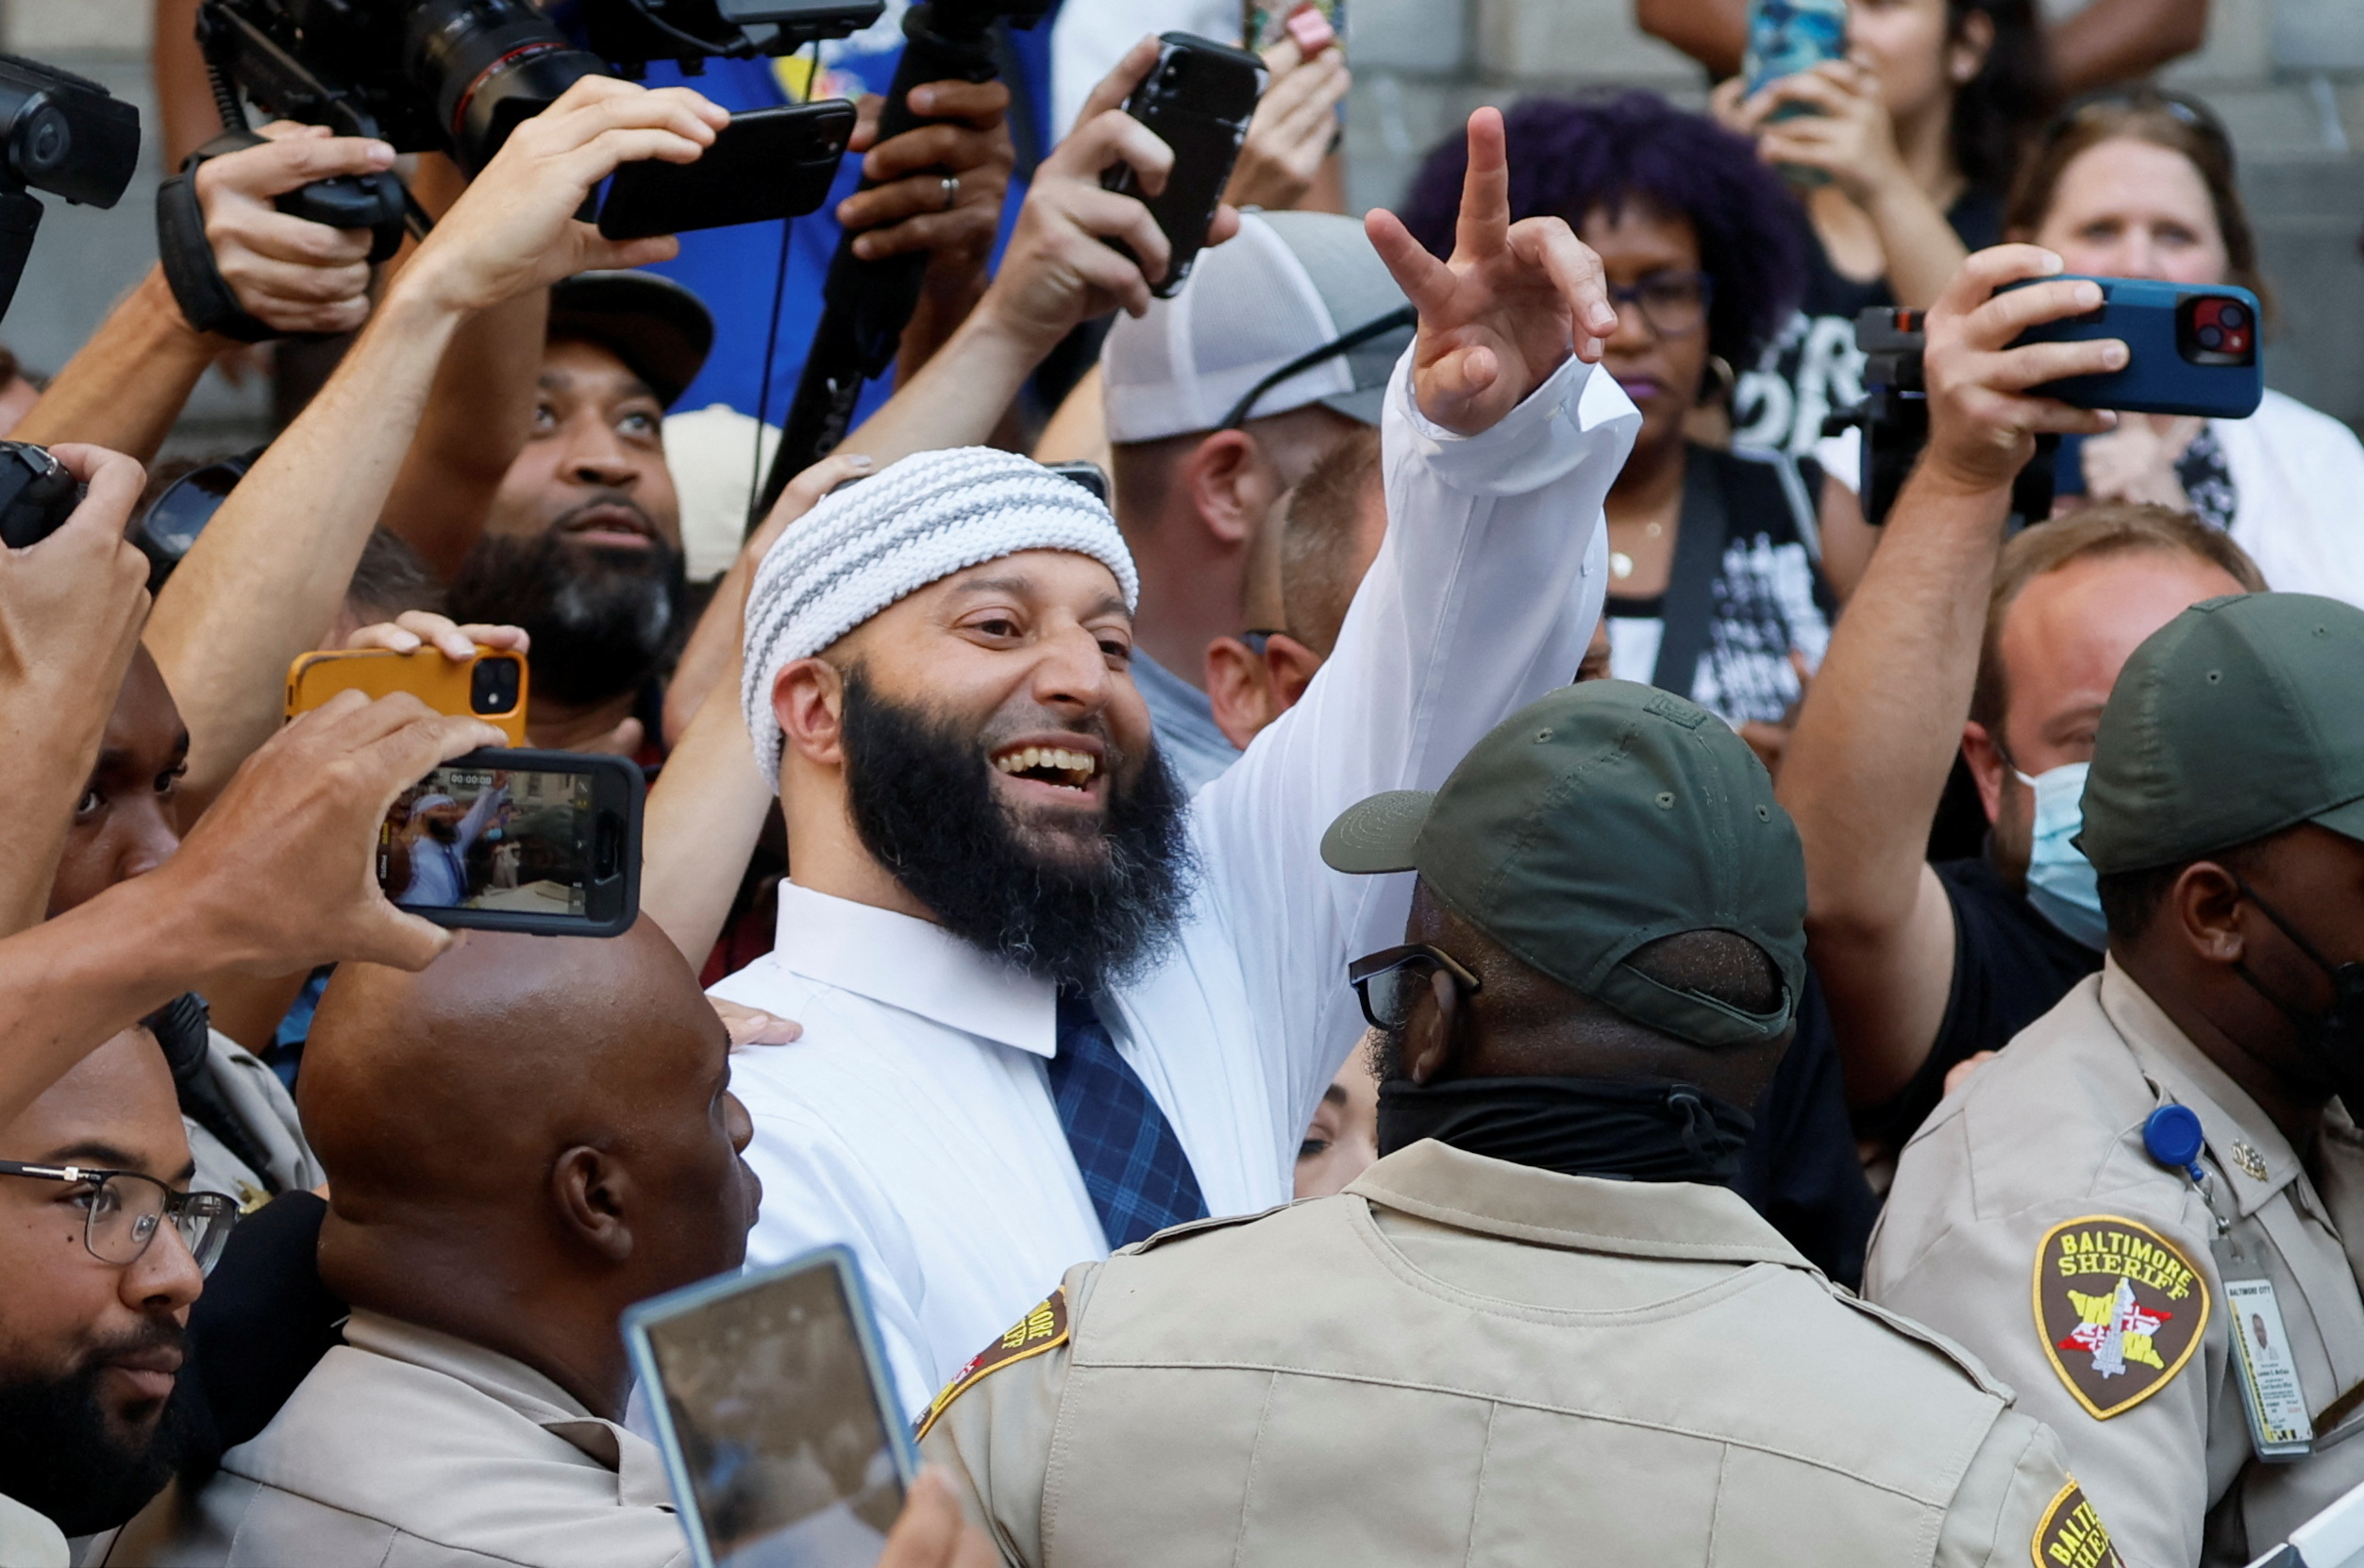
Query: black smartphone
[767, 163]
[1092, 477]
[542, 841]
[1198, 99]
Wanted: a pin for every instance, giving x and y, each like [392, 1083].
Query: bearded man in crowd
[1049, 1007]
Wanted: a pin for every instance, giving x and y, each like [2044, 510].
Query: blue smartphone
[776, 1414]
[2189, 350]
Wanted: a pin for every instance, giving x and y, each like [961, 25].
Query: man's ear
[1988, 769]
[1291, 665]
[1432, 1036]
[809, 700]
[1228, 488]
[593, 1191]
[2206, 905]
[1240, 691]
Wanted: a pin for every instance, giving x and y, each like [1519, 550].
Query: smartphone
[1314, 24]
[1092, 477]
[1787, 37]
[491, 686]
[542, 841]
[776, 1414]
[1198, 99]
[767, 163]
[2189, 350]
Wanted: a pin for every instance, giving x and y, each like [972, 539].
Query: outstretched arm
[265, 579]
[1500, 444]
[1878, 729]
[2118, 40]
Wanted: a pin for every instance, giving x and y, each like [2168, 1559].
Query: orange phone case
[443, 684]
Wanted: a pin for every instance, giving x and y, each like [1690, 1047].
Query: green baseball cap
[2243, 716]
[1598, 819]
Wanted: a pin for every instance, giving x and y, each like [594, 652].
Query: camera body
[457, 75]
[65, 135]
[37, 494]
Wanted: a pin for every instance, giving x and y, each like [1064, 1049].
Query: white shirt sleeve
[1482, 599]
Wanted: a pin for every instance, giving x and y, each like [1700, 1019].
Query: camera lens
[44, 142]
[2211, 338]
[2233, 316]
[493, 688]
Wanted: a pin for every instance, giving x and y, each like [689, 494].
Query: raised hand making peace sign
[1509, 307]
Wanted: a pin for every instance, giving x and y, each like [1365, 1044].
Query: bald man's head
[525, 1108]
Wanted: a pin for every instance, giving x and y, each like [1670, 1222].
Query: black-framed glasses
[1377, 327]
[123, 1210]
[1674, 303]
[1385, 980]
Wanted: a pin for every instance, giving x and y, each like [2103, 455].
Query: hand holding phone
[2188, 350]
[491, 686]
[1198, 99]
[764, 165]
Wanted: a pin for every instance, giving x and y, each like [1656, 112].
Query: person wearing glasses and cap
[1542, 1317]
[105, 1249]
[2165, 1161]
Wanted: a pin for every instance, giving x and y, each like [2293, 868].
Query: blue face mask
[2060, 880]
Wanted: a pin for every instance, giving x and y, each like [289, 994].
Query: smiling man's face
[91, 1351]
[999, 762]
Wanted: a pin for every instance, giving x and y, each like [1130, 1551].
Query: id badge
[2280, 1428]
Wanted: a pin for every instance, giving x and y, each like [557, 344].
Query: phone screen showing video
[489, 839]
[780, 1434]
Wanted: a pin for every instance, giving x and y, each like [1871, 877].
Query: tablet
[773, 1409]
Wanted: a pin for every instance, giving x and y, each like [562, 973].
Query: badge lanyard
[2279, 1427]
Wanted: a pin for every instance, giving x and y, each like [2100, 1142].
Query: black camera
[457, 75]
[61, 134]
[37, 494]
[1894, 419]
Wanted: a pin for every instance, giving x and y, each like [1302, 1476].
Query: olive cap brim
[1378, 835]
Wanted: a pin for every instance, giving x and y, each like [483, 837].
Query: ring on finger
[951, 191]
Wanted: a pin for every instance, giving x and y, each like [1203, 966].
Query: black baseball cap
[2243, 716]
[659, 329]
[1592, 823]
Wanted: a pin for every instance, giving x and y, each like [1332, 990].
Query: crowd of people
[1376, 854]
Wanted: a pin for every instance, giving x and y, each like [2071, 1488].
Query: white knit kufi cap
[915, 522]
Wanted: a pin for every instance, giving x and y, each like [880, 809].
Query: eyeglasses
[123, 1210]
[2181, 106]
[174, 520]
[1377, 327]
[1674, 303]
[1385, 980]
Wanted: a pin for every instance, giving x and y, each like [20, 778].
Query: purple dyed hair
[1569, 156]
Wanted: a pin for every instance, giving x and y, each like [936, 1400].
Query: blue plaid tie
[1132, 1164]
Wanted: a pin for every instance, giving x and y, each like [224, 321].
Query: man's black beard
[603, 622]
[60, 1458]
[924, 803]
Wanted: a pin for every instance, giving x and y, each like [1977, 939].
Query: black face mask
[1640, 1129]
[61, 1456]
[2336, 1035]
[922, 798]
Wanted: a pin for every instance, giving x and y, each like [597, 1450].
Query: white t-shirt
[1090, 36]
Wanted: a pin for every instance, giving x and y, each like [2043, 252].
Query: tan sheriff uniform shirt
[1464, 1361]
[407, 1448]
[2028, 1222]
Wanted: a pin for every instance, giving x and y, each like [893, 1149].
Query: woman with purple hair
[1714, 590]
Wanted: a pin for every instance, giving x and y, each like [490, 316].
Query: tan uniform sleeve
[1994, 1286]
[2017, 1503]
[990, 1430]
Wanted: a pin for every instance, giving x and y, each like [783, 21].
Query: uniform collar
[915, 965]
[2257, 1160]
[639, 1469]
[1637, 1219]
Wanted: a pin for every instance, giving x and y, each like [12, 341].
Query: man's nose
[596, 457]
[150, 842]
[165, 1278]
[1071, 673]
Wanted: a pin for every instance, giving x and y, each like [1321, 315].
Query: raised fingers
[1425, 281]
[1574, 271]
[1484, 219]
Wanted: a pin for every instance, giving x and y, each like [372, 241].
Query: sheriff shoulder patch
[2072, 1535]
[1041, 1329]
[2119, 1310]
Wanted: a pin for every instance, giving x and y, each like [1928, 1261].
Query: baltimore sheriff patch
[1041, 1329]
[2072, 1535]
[2119, 1309]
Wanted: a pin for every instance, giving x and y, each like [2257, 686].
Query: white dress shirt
[913, 1121]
